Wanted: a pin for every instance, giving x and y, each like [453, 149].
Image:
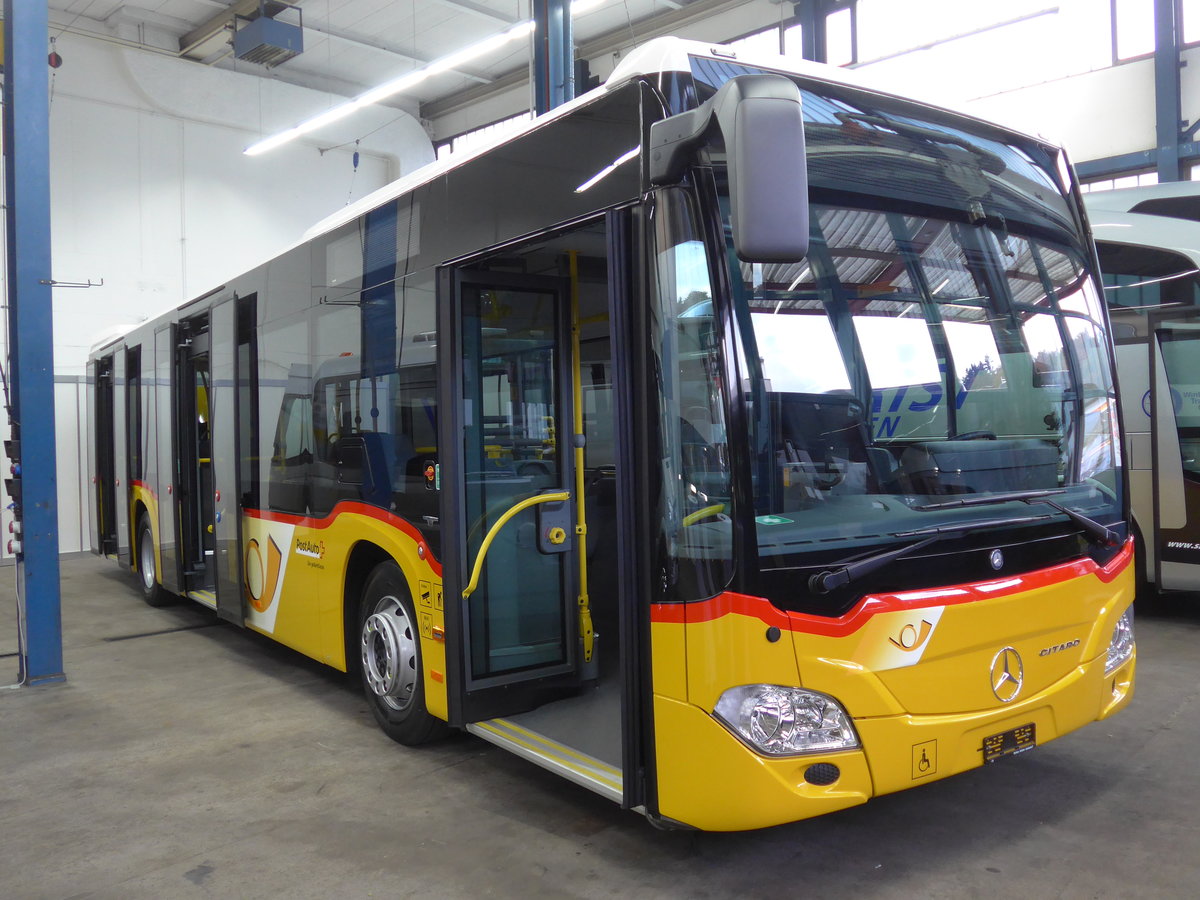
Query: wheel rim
[389, 654]
[146, 562]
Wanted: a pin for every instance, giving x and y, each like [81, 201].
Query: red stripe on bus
[145, 487]
[357, 508]
[730, 603]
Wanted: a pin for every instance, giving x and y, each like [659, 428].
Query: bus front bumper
[709, 779]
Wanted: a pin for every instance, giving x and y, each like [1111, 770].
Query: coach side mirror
[761, 120]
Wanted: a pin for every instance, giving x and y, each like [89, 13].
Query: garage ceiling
[353, 45]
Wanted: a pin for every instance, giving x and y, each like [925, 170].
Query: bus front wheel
[152, 591]
[389, 645]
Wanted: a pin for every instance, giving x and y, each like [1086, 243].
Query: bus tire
[389, 655]
[147, 570]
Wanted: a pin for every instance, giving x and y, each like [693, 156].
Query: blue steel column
[553, 54]
[811, 14]
[31, 350]
[1167, 110]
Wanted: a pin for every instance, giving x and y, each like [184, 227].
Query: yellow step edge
[580, 768]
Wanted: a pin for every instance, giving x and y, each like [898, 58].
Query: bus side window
[416, 442]
[292, 455]
[696, 500]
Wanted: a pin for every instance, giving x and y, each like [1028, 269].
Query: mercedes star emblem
[1007, 675]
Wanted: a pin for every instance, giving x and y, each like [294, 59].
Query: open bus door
[537, 563]
[193, 459]
[210, 352]
[506, 474]
[102, 453]
[230, 371]
[120, 454]
[1175, 413]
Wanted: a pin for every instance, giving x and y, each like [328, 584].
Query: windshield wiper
[957, 528]
[845, 573]
[1099, 531]
[1096, 530]
[988, 499]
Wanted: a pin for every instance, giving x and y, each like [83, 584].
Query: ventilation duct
[266, 41]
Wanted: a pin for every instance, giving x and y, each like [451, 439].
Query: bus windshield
[943, 340]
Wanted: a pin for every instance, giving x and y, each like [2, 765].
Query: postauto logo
[1176, 402]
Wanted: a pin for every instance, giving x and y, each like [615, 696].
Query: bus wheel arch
[384, 647]
[363, 560]
[147, 561]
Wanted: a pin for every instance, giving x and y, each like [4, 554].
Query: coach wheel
[390, 656]
[152, 591]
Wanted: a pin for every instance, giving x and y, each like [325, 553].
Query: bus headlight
[785, 721]
[1120, 648]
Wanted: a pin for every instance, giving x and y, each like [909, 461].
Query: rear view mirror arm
[762, 123]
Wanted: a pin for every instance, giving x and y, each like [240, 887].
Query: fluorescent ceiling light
[609, 169]
[803, 276]
[409, 79]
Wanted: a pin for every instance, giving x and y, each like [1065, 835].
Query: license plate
[1009, 743]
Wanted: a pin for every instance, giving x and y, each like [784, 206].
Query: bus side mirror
[762, 123]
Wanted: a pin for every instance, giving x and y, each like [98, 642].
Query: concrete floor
[198, 760]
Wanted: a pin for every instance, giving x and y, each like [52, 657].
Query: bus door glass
[507, 492]
[224, 472]
[104, 525]
[193, 449]
[120, 493]
[1177, 449]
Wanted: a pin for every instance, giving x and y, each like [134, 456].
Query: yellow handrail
[584, 601]
[693, 518]
[557, 496]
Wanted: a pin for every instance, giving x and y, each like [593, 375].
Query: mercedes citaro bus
[736, 441]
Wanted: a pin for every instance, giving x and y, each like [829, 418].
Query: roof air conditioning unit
[264, 39]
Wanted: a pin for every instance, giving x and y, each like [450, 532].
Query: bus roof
[1165, 216]
[1125, 199]
[109, 336]
[661, 55]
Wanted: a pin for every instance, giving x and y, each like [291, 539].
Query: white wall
[1048, 74]
[1097, 111]
[151, 192]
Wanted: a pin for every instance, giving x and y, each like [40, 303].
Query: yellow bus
[735, 441]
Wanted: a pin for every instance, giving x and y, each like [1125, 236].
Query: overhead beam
[215, 24]
[417, 61]
[1130, 163]
[477, 9]
[609, 42]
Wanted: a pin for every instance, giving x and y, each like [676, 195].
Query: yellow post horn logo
[267, 579]
[910, 638]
